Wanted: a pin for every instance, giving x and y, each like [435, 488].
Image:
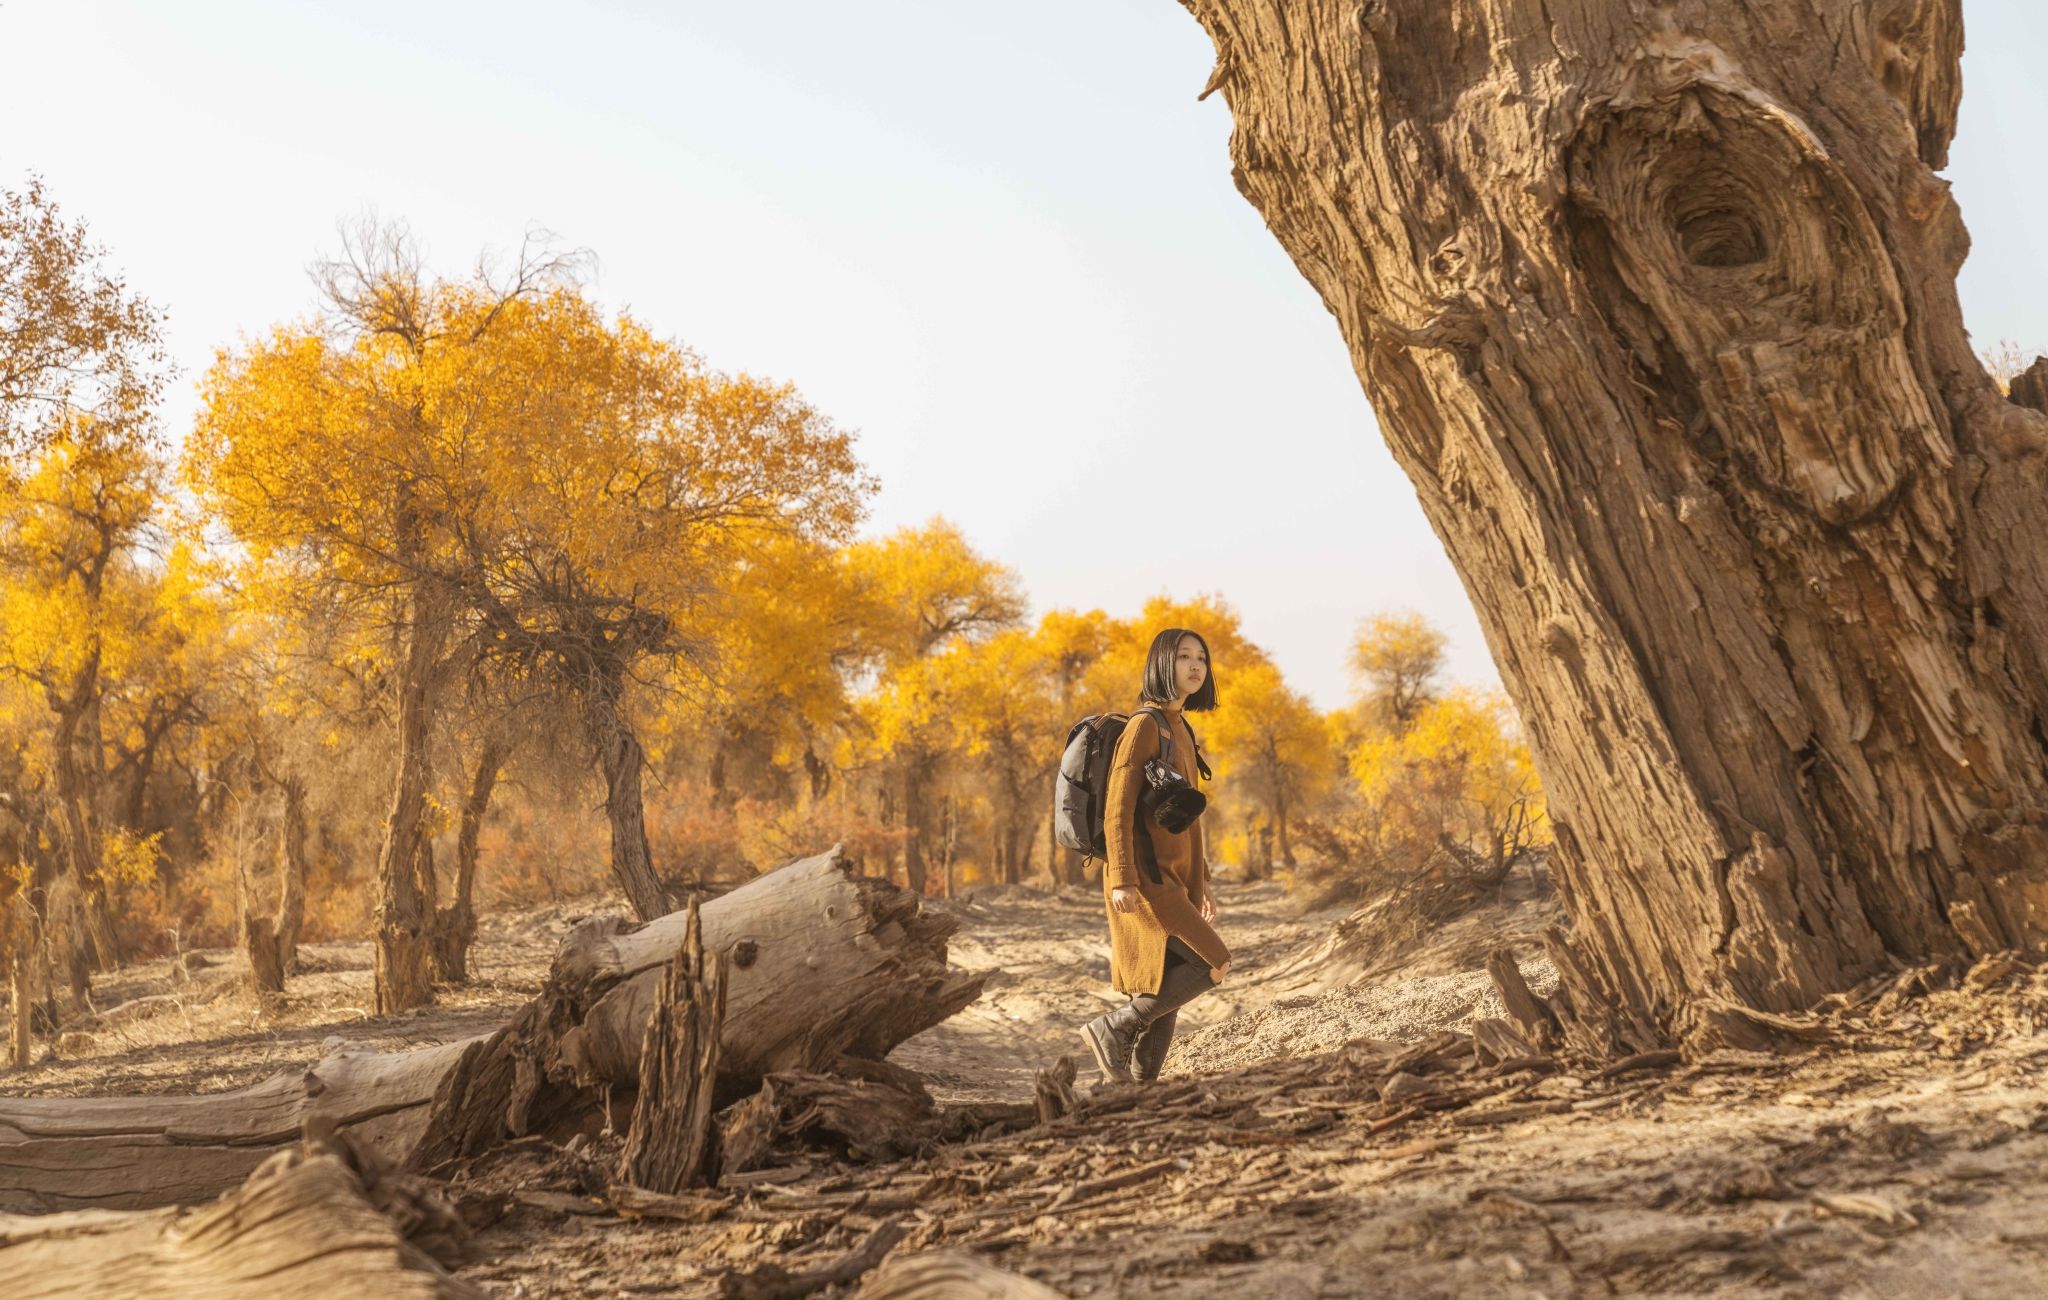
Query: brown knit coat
[1137, 940]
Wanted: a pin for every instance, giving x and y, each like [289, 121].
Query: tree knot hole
[1714, 231]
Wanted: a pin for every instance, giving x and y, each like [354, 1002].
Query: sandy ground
[1905, 1159]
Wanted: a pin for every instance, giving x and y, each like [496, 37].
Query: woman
[1155, 885]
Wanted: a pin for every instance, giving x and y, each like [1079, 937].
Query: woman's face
[1190, 666]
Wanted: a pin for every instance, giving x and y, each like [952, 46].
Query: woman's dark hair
[1159, 674]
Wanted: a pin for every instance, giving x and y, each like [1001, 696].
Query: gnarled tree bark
[273, 942]
[622, 759]
[1656, 305]
[405, 903]
[819, 962]
[455, 925]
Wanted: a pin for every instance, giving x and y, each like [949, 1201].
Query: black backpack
[1080, 793]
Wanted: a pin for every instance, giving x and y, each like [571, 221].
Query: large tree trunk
[405, 910]
[1656, 305]
[620, 756]
[455, 925]
[819, 962]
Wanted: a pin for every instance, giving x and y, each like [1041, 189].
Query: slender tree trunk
[23, 936]
[620, 756]
[85, 916]
[272, 942]
[1656, 304]
[455, 925]
[291, 871]
[915, 773]
[1280, 830]
[404, 915]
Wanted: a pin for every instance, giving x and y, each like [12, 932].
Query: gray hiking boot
[1110, 1038]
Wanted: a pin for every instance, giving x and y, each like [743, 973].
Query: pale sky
[998, 240]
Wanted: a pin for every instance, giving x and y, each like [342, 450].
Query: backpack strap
[1165, 732]
[1166, 740]
[1200, 762]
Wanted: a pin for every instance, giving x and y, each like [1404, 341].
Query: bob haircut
[1159, 675]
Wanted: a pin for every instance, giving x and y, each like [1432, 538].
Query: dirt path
[1906, 1163]
[1047, 955]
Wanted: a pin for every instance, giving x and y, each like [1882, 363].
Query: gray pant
[1185, 978]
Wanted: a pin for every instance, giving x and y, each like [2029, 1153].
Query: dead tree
[820, 962]
[1656, 305]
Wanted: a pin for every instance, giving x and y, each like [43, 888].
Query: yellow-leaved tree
[929, 589]
[1458, 775]
[1272, 746]
[352, 452]
[1396, 658]
[75, 610]
[492, 466]
[633, 490]
[74, 341]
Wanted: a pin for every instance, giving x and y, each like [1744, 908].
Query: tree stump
[668, 1146]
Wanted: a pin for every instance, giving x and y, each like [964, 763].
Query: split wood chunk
[303, 1224]
[820, 962]
[1495, 1040]
[1533, 1014]
[668, 1146]
[949, 1275]
[1054, 1090]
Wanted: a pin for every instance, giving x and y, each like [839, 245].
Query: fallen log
[820, 961]
[311, 1222]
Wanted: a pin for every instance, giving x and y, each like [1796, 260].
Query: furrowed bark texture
[818, 962]
[1656, 305]
[405, 904]
[455, 925]
[622, 759]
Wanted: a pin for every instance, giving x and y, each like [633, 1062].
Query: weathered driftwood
[305, 1223]
[949, 1275]
[821, 962]
[1656, 306]
[669, 1144]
